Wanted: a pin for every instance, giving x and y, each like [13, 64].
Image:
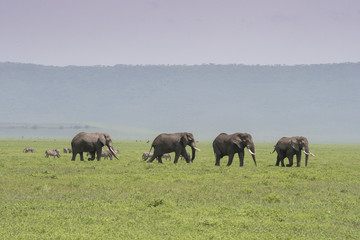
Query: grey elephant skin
[92, 143]
[290, 146]
[228, 145]
[174, 142]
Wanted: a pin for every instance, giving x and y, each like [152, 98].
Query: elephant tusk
[306, 153]
[197, 149]
[251, 152]
[309, 153]
[113, 152]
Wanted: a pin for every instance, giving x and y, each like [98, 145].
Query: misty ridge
[320, 102]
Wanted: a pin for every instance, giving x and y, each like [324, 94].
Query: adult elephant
[175, 142]
[229, 145]
[290, 146]
[92, 143]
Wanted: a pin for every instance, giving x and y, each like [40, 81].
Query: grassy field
[47, 198]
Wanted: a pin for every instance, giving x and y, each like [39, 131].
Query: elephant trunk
[253, 156]
[193, 154]
[251, 149]
[307, 153]
[194, 149]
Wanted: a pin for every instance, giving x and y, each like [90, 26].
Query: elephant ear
[295, 145]
[238, 142]
[189, 137]
[183, 140]
[102, 140]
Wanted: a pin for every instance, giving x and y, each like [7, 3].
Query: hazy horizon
[317, 101]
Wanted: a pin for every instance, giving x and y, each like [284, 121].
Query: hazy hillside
[318, 101]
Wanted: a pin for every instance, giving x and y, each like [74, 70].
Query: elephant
[53, 153]
[91, 142]
[65, 150]
[229, 145]
[146, 155]
[69, 150]
[174, 142]
[28, 149]
[288, 147]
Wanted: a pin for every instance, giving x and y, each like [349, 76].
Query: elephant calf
[53, 153]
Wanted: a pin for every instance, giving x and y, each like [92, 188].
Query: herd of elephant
[223, 145]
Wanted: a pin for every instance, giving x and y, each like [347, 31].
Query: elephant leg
[282, 162]
[298, 159]
[81, 156]
[152, 158]
[155, 155]
[185, 155]
[241, 158]
[92, 154]
[277, 160]
[159, 159]
[231, 157]
[280, 158]
[98, 154]
[290, 157]
[217, 161]
[177, 155]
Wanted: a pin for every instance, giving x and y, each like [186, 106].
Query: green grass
[47, 198]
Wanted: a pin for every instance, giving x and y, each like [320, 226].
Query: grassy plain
[43, 198]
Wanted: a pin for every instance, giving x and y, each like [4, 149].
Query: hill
[317, 101]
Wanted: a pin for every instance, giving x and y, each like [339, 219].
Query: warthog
[52, 153]
[67, 150]
[106, 153]
[166, 156]
[146, 155]
[28, 149]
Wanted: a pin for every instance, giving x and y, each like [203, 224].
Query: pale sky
[110, 32]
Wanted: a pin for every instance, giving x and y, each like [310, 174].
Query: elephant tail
[273, 150]
[150, 148]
